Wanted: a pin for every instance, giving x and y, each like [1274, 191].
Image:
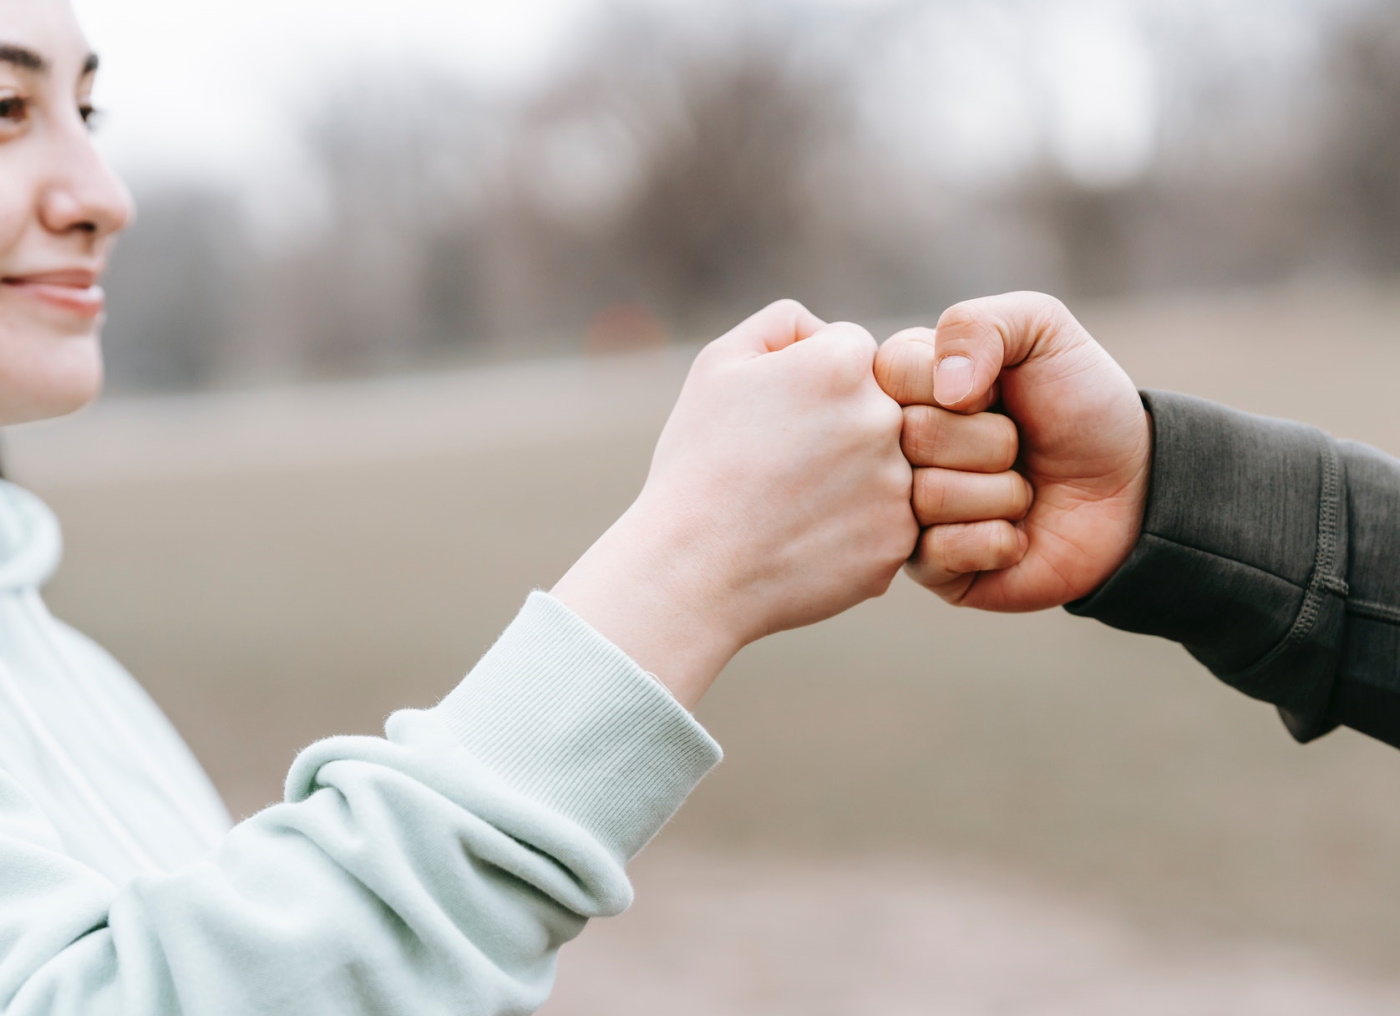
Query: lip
[72, 290]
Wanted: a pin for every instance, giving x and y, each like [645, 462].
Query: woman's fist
[778, 496]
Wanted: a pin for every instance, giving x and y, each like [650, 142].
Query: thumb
[977, 339]
[775, 327]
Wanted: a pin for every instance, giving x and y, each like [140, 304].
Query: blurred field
[921, 810]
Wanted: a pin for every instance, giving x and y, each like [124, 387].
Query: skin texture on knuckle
[985, 443]
[992, 545]
[1007, 442]
[904, 366]
[788, 309]
[858, 335]
[852, 350]
[922, 436]
[898, 479]
[962, 546]
[836, 365]
[889, 417]
[1050, 310]
[930, 494]
[1054, 329]
[1021, 496]
[904, 539]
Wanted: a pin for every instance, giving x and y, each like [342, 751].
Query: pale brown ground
[922, 810]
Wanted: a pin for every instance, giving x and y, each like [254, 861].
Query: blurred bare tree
[1361, 161]
[713, 149]
[677, 170]
[177, 290]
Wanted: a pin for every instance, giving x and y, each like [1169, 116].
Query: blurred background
[411, 291]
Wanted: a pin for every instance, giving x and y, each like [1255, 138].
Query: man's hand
[1085, 447]
[778, 496]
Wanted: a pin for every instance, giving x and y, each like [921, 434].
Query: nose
[84, 195]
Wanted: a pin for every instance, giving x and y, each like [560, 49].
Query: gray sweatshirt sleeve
[1270, 551]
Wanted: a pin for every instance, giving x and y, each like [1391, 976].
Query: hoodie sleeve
[435, 870]
[1270, 551]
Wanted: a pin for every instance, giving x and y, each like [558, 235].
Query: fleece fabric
[436, 869]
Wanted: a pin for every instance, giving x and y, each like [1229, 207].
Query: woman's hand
[778, 496]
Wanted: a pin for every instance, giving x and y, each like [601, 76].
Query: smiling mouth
[73, 292]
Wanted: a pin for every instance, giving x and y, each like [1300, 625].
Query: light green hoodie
[435, 870]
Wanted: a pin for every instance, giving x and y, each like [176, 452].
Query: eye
[13, 110]
[91, 115]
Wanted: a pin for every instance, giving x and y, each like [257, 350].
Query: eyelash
[14, 109]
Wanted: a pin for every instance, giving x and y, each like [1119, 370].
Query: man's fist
[1085, 448]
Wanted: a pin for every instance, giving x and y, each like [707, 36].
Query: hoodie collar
[30, 541]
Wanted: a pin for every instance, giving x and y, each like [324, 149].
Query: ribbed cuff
[569, 720]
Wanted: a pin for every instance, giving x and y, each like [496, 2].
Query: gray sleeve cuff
[1243, 554]
[571, 721]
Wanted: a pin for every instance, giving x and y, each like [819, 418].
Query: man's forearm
[1272, 552]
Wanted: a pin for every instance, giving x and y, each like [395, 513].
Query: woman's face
[60, 207]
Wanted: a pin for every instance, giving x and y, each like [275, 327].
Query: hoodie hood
[30, 541]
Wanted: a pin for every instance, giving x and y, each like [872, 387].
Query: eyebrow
[27, 59]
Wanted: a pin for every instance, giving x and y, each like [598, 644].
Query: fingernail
[952, 380]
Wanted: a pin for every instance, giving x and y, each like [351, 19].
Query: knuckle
[1023, 495]
[787, 307]
[930, 494]
[1045, 302]
[888, 417]
[918, 571]
[711, 353]
[937, 543]
[1049, 312]
[844, 359]
[1002, 544]
[922, 435]
[899, 477]
[904, 365]
[960, 314]
[958, 548]
[1007, 439]
[856, 348]
[966, 547]
[857, 334]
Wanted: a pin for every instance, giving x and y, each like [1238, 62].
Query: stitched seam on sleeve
[1323, 577]
[1325, 580]
[1374, 611]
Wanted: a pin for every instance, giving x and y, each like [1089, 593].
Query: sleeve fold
[437, 869]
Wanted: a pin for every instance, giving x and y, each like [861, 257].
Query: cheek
[49, 366]
[46, 374]
[15, 215]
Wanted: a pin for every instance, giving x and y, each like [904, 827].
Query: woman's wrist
[646, 586]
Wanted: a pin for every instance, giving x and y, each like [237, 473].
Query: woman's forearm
[435, 870]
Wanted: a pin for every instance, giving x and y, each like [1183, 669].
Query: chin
[53, 381]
